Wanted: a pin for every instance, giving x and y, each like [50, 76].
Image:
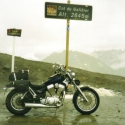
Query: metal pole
[13, 54]
[67, 40]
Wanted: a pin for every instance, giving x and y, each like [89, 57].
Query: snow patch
[101, 92]
[105, 92]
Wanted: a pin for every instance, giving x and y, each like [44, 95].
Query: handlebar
[62, 69]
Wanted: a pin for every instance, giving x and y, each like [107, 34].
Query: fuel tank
[54, 79]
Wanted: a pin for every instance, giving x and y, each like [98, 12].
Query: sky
[42, 36]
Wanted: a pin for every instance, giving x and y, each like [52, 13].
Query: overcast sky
[42, 36]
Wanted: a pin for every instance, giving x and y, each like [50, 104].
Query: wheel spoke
[16, 102]
[83, 104]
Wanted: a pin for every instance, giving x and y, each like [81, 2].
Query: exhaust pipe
[38, 105]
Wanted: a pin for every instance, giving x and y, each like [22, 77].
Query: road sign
[14, 32]
[68, 11]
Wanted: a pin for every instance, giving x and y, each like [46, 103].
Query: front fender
[82, 88]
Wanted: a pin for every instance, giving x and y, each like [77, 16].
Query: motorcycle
[51, 94]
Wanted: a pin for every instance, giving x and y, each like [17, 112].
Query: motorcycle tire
[83, 106]
[14, 105]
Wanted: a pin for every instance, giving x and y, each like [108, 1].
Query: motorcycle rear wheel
[14, 104]
[82, 105]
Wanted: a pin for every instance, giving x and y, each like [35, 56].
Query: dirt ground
[110, 112]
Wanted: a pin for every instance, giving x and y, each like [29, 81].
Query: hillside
[40, 71]
[82, 61]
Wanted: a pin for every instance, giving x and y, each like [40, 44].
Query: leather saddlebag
[20, 75]
[21, 84]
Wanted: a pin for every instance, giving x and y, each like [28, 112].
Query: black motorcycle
[50, 94]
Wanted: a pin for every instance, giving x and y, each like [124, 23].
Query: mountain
[113, 58]
[82, 61]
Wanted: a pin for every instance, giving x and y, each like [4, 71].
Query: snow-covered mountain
[113, 58]
[81, 60]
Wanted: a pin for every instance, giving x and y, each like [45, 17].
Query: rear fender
[9, 86]
[18, 85]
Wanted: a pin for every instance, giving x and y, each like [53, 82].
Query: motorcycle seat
[36, 87]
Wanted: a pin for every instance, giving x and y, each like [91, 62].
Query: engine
[55, 95]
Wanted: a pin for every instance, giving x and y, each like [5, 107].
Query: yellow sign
[51, 10]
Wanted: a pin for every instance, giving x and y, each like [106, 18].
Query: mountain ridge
[82, 61]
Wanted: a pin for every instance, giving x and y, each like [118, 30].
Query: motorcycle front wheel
[14, 103]
[84, 106]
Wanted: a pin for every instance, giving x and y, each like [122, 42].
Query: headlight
[73, 74]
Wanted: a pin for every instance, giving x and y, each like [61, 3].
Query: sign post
[67, 42]
[13, 32]
[68, 11]
[13, 54]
